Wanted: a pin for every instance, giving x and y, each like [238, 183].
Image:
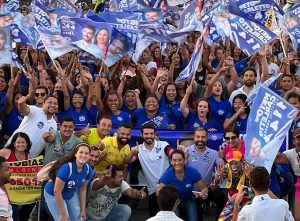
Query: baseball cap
[296, 133]
[128, 73]
[151, 64]
[234, 154]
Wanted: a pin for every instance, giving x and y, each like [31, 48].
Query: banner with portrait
[5, 46]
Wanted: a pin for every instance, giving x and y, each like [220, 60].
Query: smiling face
[151, 104]
[40, 95]
[152, 16]
[20, 144]
[102, 37]
[77, 100]
[123, 135]
[82, 155]
[232, 140]
[67, 128]
[217, 89]
[237, 104]
[130, 99]
[148, 135]
[87, 34]
[177, 162]
[171, 93]
[115, 48]
[104, 127]
[50, 106]
[113, 102]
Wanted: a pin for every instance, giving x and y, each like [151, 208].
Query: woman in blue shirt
[111, 103]
[184, 178]
[240, 113]
[68, 174]
[202, 116]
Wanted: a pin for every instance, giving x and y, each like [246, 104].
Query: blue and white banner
[99, 39]
[160, 122]
[268, 123]
[10, 6]
[125, 22]
[258, 10]
[55, 44]
[41, 15]
[291, 22]
[187, 15]
[5, 45]
[155, 31]
[65, 4]
[242, 30]
[176, 2]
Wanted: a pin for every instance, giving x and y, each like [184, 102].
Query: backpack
[43, 174]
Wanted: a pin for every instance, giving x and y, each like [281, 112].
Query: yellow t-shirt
[115, 155]
[93, 137]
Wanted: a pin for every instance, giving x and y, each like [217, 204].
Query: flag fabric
[291, 22]
[10, 6]
[268, 124]
[5, 47]
[160, 122]
[41, 15]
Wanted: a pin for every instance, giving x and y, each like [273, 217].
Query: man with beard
[249, 77]
[5, 207]
[204, 160]
[154, 158]
[117, 149]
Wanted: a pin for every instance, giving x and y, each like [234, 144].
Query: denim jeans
[120, 212]
[72, 207]
[187, 210]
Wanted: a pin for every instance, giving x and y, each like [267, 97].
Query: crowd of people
[67, 109]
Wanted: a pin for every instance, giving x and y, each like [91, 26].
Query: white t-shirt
[294, 160]
[154, 163]
[34, 125]
[5, 207]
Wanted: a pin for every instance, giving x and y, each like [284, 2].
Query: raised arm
[228, 63]
[183, 104]
[23, 107]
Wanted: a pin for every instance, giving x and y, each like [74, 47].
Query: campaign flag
[248, 35]
[291, 22]
[141, 45]
[267, 83]
[149, 15]
[41, 15]
[23, 187]
[125, 22]
[5, 46]
[125, 5]
[65, 4]
[10, 6]
[55, 44]
[16, 60]
[177, 2]
[160, 122]
[191, 68]
[97, 38]
[258, 10]
[268, 123]
[187, 15]
[148, 3]
[155, 31]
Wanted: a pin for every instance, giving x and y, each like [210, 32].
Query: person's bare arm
[183, 104]
[23, 107]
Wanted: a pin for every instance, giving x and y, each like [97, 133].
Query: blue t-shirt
[81, 117]
[72, 182]
[240, 65]
[126, 109]
[241, 124]
[119, 119]
[172, 111]
[185, 187]
[194, 122]
[12, 121]
[2, 100]
[219, 111]
[139, 117]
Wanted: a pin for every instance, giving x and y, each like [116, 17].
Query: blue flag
[291, 21]
[242, 30]
[65, 4]
[187, 15]
[55, 44]
[41, 15]
[160, 122]
[10, 6]
[268, 124]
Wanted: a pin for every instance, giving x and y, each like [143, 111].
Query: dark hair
[259, 179]
[104, 117]
[201, 129]
[177, 152]
[148, 125]
[287, 75]
[165, 90]
[2, 161]
[50, 97]
[67, 119]
[44, 88]
[167, 198]
[209, 108]
[114, 169]
[96, 41]
[249, 69]
[293, 94]
[15, 137]
[106, 110]
[125, 126]
[243, 97]
[60, 100]
[151, 95]
[123, 40]
[65, 159]
[90, 27]
[232, 130]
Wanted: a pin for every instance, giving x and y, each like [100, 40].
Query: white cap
[151, 64]
[128, 73]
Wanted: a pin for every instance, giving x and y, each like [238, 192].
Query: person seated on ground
[168, 201]
[104, 193]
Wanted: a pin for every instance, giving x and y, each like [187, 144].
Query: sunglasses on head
[230, 138]
[38, 94]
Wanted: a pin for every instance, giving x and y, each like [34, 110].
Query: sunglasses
[38, 94]
[230, 138]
